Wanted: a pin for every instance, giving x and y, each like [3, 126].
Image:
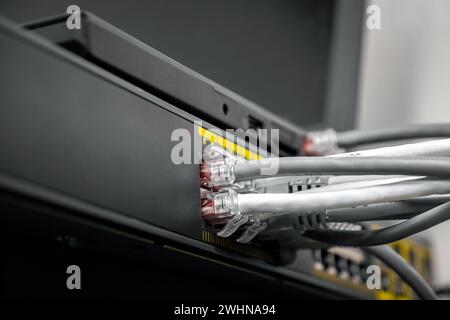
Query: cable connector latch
[252, 231]
[221, 208]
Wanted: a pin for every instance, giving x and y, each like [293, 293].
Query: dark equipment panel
[86, 162]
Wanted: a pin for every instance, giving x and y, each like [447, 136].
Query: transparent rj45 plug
[217, 173]
[321, 143]
[222, 208]
[217, 170]
[219, 207]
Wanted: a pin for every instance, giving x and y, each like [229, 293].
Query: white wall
[405, 78]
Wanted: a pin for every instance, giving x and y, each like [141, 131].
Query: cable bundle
[409, 182]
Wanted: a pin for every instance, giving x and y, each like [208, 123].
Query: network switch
[118, 120]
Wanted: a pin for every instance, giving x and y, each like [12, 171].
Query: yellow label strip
[228, 145]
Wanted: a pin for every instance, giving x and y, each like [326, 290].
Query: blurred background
[405, 78]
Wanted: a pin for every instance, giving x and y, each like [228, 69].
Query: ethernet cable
[385, 180]
[379, 162]
[385, 235]
[360, 137]
[400, 210]
[238, 209]
[406, 272]
[323, 179]
[279, 204]
[438, 198]
[257, 207]
[350, 178]
[330, 142]
[421, 149]
[416, 166]
[427, 148]
[379, 211]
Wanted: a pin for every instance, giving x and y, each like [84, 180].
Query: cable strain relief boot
[311, 220]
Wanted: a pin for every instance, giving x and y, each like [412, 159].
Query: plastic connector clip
[234, 224]
[217, 173]
[219, 207]
[217, 170]
[252, 231]
[321, 143]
